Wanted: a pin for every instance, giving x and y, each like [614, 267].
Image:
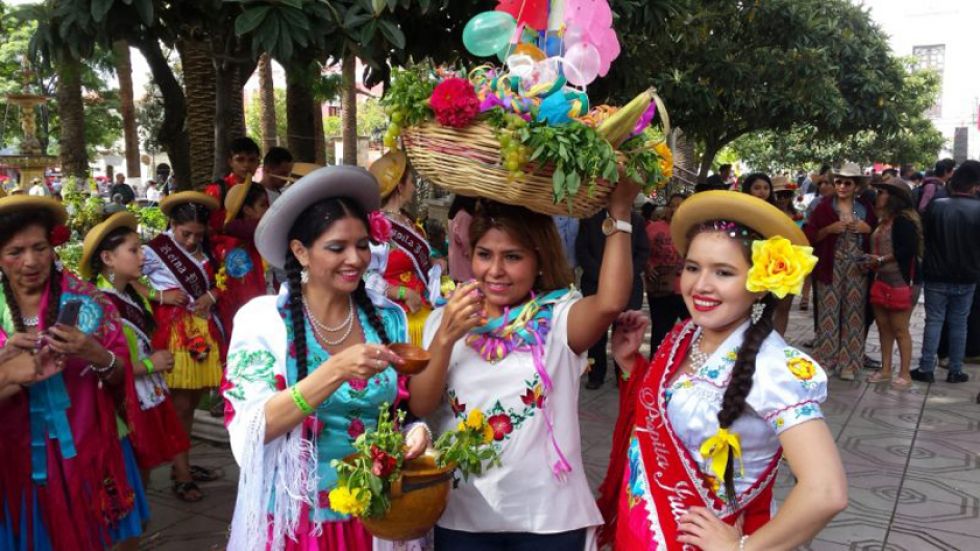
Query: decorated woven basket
[467, 161]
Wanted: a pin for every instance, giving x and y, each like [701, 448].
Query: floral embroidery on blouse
[250, 366]
[802, 367]
[503, 420]
[795, 414]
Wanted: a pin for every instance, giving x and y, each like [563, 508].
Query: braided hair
[11, 225]
[111, 242]
[308, 227]
[195, 212]
[740, 385]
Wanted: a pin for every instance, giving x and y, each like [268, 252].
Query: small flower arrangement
[365, 478]
[198, 348]
[779, 267]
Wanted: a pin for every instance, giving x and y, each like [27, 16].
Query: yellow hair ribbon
[718, 447]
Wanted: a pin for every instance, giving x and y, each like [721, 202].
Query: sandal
[901, 383]
[187, 491]
[878, 377]
[202, 474]
[804, 306]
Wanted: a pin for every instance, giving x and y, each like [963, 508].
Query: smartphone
[68, 315]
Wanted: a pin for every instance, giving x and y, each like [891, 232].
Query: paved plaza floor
[912, 461]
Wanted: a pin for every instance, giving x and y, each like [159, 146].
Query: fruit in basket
[618, 127]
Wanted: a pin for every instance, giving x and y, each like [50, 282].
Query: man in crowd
[721, 179]
[276, 168]
[38, 189]
[662, 275]
[122, 189]
[951, 269]
[933, 187]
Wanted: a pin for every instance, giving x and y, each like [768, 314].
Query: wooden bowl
[416, 359]
[418, 499]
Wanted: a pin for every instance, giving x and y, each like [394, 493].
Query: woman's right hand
[628, 332]
[464, 311]
[413, 301]
[17, 343]
[837, 227]
[362, 361]
[175, 297]
[162, 360]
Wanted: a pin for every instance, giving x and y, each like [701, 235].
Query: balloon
[488, 33]
[607, 43]
[533, 13]
[582, 64]
[553, 45]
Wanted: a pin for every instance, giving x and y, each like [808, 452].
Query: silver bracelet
[424, 426]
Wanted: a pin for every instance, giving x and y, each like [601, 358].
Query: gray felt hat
[352, 182]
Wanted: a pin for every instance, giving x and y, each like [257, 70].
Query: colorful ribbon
[717, 448]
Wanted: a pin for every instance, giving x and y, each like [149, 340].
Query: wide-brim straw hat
[357, 184]
[782, 183]
[297, 171]
[850, 170]
[732, 206]
[98, 233]
[169, 202]
[389, 170]
[18, 203]
[235, 199]
[900, 188]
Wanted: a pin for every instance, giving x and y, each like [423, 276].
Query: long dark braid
[363, 302]
[294, 280]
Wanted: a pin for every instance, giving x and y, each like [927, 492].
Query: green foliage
[642, 161]
[85, 207]
[409, 94]
[371, 118]
[359, 472]
[149, 118]
[152, 220]
[469, 447]
[332, 126]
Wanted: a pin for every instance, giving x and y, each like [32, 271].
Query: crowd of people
[285, 291]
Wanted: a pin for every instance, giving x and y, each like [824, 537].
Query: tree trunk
[173, 133]
[199, 86]
[229, 122]
[267, 94]
[74, 159]
[321, 145]
[349, 106]
[710, 150]
[299, 123]
[124, 71]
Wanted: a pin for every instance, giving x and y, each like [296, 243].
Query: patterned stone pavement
[912, 460]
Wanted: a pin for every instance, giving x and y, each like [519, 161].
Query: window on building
[932, 57]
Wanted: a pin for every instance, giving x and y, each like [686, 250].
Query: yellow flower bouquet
[779, 267]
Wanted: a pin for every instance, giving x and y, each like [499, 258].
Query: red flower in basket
[501, 426]
[198, 348]
[454, 102]
[383, 463]
[60, 235]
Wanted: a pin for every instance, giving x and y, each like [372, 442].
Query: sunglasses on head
[843, 182]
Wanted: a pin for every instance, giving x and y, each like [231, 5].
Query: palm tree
[199, 91]
[71, 145]
[267, 93]
[348, 103]
[124, 71]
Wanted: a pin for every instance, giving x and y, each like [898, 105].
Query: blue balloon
[552, 46]
[488, 32]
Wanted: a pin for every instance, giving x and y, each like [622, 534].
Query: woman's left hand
[417, 441]
[69, 341]
[859, 226]
[202, 305]
[701, 528]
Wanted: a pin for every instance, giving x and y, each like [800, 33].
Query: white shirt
[521, 495]
[38, 190]
[153, 194]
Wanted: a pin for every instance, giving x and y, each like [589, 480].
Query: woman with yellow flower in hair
[703, 426]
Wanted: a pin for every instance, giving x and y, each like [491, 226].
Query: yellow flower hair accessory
[718, 447]
[779, 267]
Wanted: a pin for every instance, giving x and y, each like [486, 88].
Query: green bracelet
[151, 294]
[401, 292]
[148, 365]
[300, 402]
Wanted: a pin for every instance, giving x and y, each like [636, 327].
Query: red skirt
[158, 436]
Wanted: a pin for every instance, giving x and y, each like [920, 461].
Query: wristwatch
[611, 225]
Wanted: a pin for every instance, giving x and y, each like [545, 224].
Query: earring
[112, 277]
[757, 310]
[304, 276]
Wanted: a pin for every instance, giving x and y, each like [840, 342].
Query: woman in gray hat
[838, 229]
[896, 253]
[308, 370]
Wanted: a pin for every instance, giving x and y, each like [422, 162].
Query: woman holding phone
[64, 482]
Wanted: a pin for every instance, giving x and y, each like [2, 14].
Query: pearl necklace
[342, 325]
[697, 356]
[320, 329]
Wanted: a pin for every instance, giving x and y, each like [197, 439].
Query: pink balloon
[607, 43]
[582, 64]
[601, 14]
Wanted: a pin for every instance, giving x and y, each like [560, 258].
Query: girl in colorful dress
[112, 257]
[401, 267]
[512, 345]
[180, 258]
[67, 481]
[308, 369]
[702, 428]
[242, 276]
